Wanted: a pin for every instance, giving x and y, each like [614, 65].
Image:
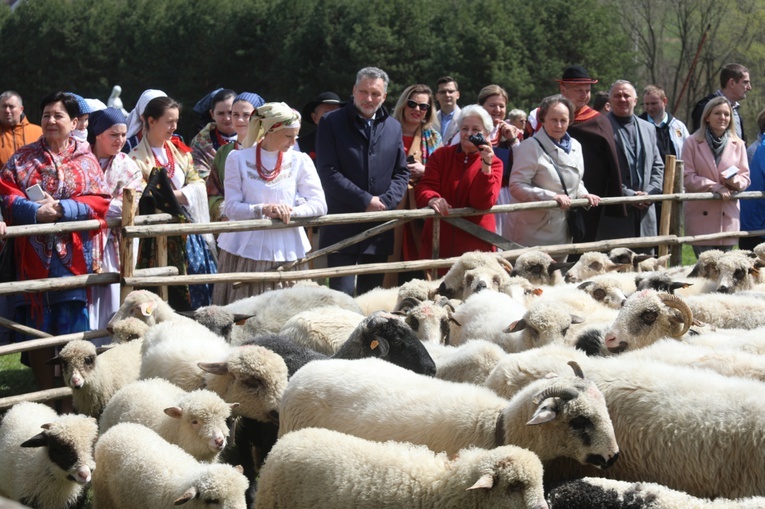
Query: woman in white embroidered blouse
[267, 179]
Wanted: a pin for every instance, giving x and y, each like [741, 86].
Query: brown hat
[576, 74]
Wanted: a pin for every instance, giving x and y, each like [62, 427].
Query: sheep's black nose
[480, 286]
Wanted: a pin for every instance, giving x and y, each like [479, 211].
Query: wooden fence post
[162, 262]
[667, 206]
[676, 222]
[126, 243]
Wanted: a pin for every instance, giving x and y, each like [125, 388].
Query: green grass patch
[15, 378]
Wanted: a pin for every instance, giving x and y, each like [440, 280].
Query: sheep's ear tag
[374, 344]
[147, 308]
[486, 481]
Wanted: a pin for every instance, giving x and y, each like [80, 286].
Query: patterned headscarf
[269, 118]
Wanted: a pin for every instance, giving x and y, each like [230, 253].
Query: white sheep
[737, 272]
[128, 329]
[419, 289]
[377, 299]
[95, 377]
[252, 376]
[665, 282]
[677, 426]
[323, 329]
[138, 468]
[635, 262]
[470, 362]
[610, 290]
[610, 494]
[314, 468]
[271, 310]
[47, 459]
[591, 264]
[378, 401]
[430, 320]
[648, 316]
[148, 307]
[545, 322]
[171, 350]
[453, 283]
[540, 268]
[486, 315]
[195, 421]
[706, 265]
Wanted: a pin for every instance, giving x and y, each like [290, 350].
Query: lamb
[609, 494]
[95, 377]
[323, 329]
[610, 290]
[591, 264]
[315, 467]
[378, 401]
[470, 362]
[195, 421]
[540, 268]
[486, 315]
[219, 321]
[50, 468]
[669, 430]
[171, 350]
[453, 284]
[271, 310]
[128, 452]
[387, 337]
[545, 322]
[418, 289]
[148, 307]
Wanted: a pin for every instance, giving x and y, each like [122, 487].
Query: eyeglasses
[414, 105]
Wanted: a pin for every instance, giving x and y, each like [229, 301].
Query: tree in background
[292, 50]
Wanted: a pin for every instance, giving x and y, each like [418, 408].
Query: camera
[477, 139]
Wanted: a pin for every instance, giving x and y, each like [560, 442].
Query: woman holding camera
[464, 175]
[543, 163]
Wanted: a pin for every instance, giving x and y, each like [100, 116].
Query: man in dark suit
[361, 162]
[641, 169]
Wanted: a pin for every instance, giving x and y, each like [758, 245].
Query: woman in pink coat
[715, 161]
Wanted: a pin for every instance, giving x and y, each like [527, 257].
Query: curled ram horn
[577, 369]
[556, 391]
[505, 264]
[673, 301]
[407, 304]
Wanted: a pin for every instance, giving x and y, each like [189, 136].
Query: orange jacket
[13, 138]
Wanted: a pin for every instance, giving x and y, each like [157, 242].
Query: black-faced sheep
[94, 377]
[314, 468]
[138, 468]
[47, 459]
[378, 401]
[195, 421]
[602, 493]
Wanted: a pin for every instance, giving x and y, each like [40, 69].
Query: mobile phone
[409, 159]
[729, 172]
[35, 193]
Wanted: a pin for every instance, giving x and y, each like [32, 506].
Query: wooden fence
[159, 226]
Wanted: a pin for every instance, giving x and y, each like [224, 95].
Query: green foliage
[292, 50]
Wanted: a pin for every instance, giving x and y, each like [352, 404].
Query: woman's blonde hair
[700, 134]
[430, 120]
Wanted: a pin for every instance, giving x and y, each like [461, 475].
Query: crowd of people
[247, 162]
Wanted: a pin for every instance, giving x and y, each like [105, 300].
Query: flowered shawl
[120, 172]
[215, 190]
[431, 140]
[204, 145]
[74, 174]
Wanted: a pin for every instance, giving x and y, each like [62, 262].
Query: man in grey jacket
[641, 168]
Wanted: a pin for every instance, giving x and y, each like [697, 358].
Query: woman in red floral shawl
[73, 190]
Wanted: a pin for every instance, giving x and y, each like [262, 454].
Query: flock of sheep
[613, 382]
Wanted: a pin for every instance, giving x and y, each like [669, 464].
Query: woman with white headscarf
[135, 119]
[267, 179]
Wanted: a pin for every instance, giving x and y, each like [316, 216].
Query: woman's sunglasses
[414, 105]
